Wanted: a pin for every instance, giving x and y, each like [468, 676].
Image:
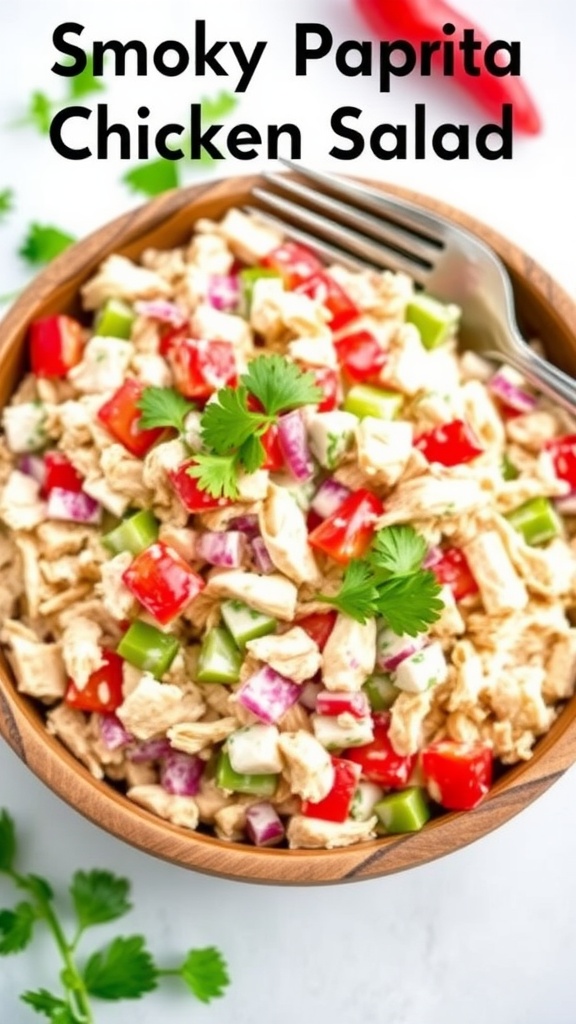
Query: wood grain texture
[544, 311]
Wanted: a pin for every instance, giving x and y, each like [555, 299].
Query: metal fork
[360, 227]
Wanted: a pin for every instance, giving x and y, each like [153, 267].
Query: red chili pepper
[419, 21]
[458, 775]
[103, 691]
[336, 806]
[162, 581]
[450, 444]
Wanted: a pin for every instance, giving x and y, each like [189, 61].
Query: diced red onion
[566, 505]
[181, 773]
[33, 465]
[329, 702]
[262, 560]
[329, 497]
[222, 549]
[268, 695]
[309, 694]
[113, 733]
[294, 445]
[263, 825]
[224, 292]
[397, 648]
[72, 506]
[510, 393]
[432, 557]
[162, 310]
[246, 524]
[151, 750]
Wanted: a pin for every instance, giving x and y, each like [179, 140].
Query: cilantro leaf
[16, 927]
[36, 886]
[216, 474]
[205, 973]
[218, 106]
[153, 177]
[227, 423]
[43, 243]
[122, 970]
[280, 385]
[6, 202]
[251, 454]
[397, 550]
[39, 112]
[163, 407]
[53, 1007]
[99, 896]
[358, 593]
[85, 82]
[7, 842]
[410, 603]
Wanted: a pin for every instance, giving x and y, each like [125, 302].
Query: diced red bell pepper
[361, 356]
[56, 345]
[450, 444]
[59, 472]
[171, 336]
[202, 367]
[330, 702]
[348, 532]
[458, 775]
[319, 625]
[336, 805]
[190, 493]
[563, 453]
[379, 761]
[452, 570]
[312, 520]
[162, 581]
[274, 460]
[294, 262]
[328, 381]
[121, 416]
[103, 691]
[323, 288]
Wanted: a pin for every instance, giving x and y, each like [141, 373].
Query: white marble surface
[488, 933]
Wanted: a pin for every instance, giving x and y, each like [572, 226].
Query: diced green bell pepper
[435, 320]
[148, 648]
[115, 319]
[381, 692]
[405, 811]
[254, 785]
[248, 278]
[536, 520]
[220, 660]
[246, 623]
[363, 400]
[135, 533]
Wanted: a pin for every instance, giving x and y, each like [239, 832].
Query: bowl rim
[21, 724]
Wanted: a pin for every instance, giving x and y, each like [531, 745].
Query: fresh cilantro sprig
[43, 243]
[123, 969]
[232, 431]
[390, 583]
[41, 108]
[163, 407]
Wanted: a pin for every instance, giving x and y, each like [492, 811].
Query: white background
[490, 932]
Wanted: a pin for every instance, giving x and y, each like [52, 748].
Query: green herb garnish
[43, 243]
[163, 407]
[6, 202]
[122, 969]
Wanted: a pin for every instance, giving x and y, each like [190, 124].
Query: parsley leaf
[122, 970]
[85, 82]
[358, 592]
[43, 243]
[410, 603]
[39, 112]
[153, 177]
[7, 842]
[16, 927]
[216, 474]
[218, 106]
[397, 550]
[205, 972]
[227, 422]
[99, 896]
[251, 454]
[163, 407]
[6, 202]
[38, 887]
[51, 1006]
[280, 385]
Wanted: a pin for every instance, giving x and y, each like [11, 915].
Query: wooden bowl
[544, 311]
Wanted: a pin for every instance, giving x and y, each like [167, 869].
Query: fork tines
[354, 224]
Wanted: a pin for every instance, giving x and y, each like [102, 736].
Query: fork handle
[548, 379]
